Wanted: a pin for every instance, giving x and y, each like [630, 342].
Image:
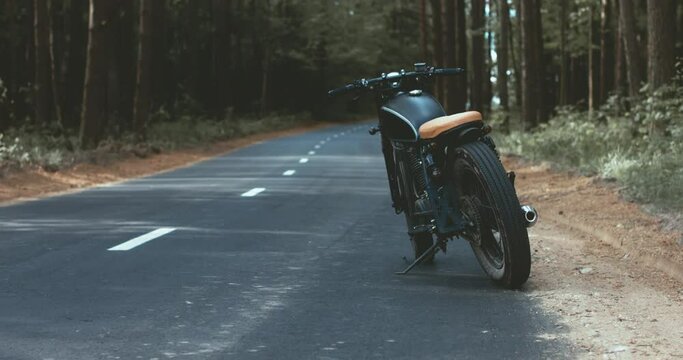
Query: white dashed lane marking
[288, 173]
[311, 152]
[132, 243]
[303, 160]
[253, 192]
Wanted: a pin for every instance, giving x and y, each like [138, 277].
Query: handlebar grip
[449, 71]
[341, 90]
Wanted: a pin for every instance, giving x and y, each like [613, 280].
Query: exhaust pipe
[530, 215]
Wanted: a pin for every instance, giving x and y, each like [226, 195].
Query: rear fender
[461, 134]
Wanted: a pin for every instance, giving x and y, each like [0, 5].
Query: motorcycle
[446, 176]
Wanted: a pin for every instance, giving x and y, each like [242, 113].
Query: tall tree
[545, 102]
[488, 56]
[424, 45]
[73, 60]
[627, 25]
[531, 64]
[54, 68]
[564, 81]
[502, 42]
[43, 63]
[121, 68]
[266, 60]
[661, 40]
[141, 104]
[95, 85]
[438, 44]
[220, 61]
[591, 61]
[460, 92]
[606, 50]
[516, 42]
[477, 57]
[450, 49]
[619, 57]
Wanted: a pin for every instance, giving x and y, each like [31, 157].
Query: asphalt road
[302, 269]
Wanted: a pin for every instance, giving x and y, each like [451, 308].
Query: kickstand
[431, 251]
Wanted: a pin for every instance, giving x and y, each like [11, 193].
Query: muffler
[530, 215]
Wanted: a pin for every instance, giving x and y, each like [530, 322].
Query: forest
[593, 85]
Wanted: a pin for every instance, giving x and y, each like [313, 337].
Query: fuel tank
[400, 118]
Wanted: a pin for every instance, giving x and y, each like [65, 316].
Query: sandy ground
[610, 273]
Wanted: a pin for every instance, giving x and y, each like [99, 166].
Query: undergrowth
[638, 143]
[54, 148]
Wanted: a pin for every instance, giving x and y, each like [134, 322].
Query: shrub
[641, 148]
[52, 148]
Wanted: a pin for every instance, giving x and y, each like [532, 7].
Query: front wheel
[489, 204]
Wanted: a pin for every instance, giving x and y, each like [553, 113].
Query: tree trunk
[438, 45]
[220, 56]
[531, 81]
[143, 82]
[95, 85]
[42, 81]
[488, 63]
[502, 53]
[679, 30]
[591, 73]
[477, 58]
[628, 32]
[163, 89]
[265, 80]
[423, 30]
[619, 57]
[124, 43]
[265, 62]
[545, 103]
[606, 51]
[54, 72]
[77, 43]
[661, 14]
[517, 59]
[661, 50]
[563, 53]
[460, 92]
[449, 50]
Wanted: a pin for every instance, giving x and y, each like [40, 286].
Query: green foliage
[52, 149]
[46, 147]
[191, 131]
[641, 148]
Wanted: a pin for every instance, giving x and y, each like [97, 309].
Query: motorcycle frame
[445, 219]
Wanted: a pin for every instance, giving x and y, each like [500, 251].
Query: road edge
[196, 155]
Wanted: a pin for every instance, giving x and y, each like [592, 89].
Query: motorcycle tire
[502, 244]
[421, 243]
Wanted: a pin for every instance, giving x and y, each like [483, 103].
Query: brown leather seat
[435, 127]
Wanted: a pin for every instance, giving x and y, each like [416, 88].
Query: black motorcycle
[445, 175]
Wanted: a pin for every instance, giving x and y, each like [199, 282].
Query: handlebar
[449, 71]
[422, 72]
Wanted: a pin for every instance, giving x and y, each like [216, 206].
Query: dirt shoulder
[610, 273]
[25, 184]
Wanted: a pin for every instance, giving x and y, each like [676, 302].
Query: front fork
[388, 152]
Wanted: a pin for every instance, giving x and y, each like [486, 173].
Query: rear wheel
[422, 242]
[489, 203]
